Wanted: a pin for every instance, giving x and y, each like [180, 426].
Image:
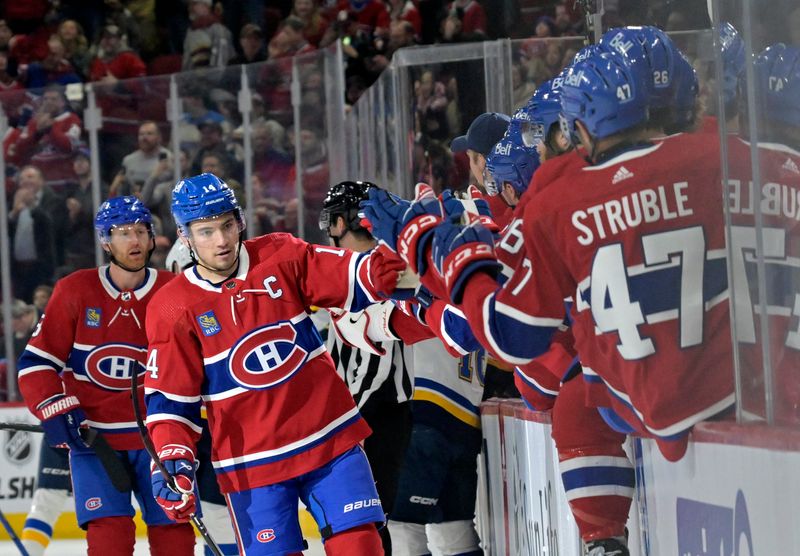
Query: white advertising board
[19, 460]
[722, 499]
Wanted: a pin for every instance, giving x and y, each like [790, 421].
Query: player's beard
[127, 268]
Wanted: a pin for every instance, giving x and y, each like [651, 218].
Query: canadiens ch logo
[266, 535]
[266, 356]
[93, 504]
[209, 324]
[111, 366]
[93, 317]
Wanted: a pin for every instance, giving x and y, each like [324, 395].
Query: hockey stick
[13, 534]
[148, 445]
[105, 453]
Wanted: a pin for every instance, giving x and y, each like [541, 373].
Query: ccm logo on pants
[423, 500]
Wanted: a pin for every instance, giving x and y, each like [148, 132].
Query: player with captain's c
[234, 331]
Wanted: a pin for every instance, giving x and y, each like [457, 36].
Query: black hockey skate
[607, 547]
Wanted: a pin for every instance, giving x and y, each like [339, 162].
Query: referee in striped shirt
[375, 371]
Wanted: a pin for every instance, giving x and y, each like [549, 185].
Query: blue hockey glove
[384, 211]
[460, 251]
[62, 418]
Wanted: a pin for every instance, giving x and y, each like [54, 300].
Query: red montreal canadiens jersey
[778, 199]
[638, 242]
[247, 349]
[89, 341]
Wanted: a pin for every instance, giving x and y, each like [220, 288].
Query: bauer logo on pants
[266, 535]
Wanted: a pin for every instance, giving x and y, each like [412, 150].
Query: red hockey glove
[385, 268]
[178, 502]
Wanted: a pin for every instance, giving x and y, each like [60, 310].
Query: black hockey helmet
[343, 199]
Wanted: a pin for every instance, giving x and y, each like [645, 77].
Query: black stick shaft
[148, 445]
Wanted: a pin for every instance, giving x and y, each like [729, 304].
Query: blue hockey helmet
[203, 196]
[685, 90]
[510, 163]
[518, 130]
[605, 94]
[777, 84]
[544, 108]
[733, 59]
[647, 49]
[120, 211]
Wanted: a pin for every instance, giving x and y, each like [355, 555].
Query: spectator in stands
[565, 24]
[196, 112]
[211, 141]
[257, 116]
[157, 191]
[41, 295]
[545, 64]
[48, 139]
[471, 16]
[271, 168]
[7, 82]
[55, 68]
[143, 15]
[76, 46]
[291, 37]
[370, 14]
[138, 165]
[405, 10]
[208, 42]
[545, 27]
[523, 89]
[79, 237]
[117, 13]
[115, 60]
[31, 234]
[251, 41]
[401, 34]
[431, 105]
[237, 13]
[311, 15]
[23, 322]
[5, 35]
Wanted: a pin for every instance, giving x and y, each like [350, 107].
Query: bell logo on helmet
[266, 357]
[503, 148]
[573, 79]
[619, 43]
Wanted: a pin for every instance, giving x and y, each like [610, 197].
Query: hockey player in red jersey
[640, 246]
[76, 371]
[234, 331]
[776, 147]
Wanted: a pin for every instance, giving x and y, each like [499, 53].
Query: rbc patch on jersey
[93, 317]
[209, 324]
